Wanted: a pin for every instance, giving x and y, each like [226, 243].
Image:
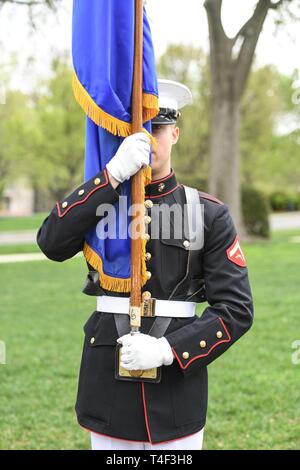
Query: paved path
[285, 221]
[282, 221]
[21, 258]
[278, 221]
[18, 238]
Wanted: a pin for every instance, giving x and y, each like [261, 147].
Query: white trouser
[192, 442]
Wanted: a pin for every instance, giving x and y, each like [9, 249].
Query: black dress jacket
[177, 406]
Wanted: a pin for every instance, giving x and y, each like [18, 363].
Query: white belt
[158, 308]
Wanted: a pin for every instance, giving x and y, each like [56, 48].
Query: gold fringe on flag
[150, 106]
[112, 124]
[109, 282]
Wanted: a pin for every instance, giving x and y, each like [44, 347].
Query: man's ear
[175, 135]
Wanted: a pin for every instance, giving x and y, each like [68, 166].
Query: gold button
[185, 355]
[148, 256]
[92, 340]
[219, 334]
[147, 219]
[80, 192]
[136, 373]
[148, 274]
[64, 204]
[186, 243]
[146, 295]
[148, 204]
[147, 237]
[161, 187]
[202, 344]
[97, 181]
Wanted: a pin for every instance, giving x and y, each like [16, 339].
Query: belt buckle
[148, 307]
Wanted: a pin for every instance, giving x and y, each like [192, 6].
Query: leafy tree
[268, 159]
[230, 62]
[13, 118]
[59, 134]
[42, 137]
[261, 108]
[188, 65]
[270, 149]
[30, 3]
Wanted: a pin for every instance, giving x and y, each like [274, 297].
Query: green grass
[32, 222]
[15, 224]
[42, 314]
[254, 399]
[18, 249]
[254, 394]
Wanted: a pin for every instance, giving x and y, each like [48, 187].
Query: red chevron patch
[235, 253]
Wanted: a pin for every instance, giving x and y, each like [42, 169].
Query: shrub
[283, 201]
[256, 209]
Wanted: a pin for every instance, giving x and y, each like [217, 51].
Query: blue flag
[103, 59]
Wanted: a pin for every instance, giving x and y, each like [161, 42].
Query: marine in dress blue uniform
[176, 407]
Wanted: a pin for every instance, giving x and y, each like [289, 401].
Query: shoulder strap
[195, 219]
[193, 231]
[158, 328]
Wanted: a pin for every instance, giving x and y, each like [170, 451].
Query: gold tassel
[113, 125]
[123, 129]
[107, 282]
[150, 106]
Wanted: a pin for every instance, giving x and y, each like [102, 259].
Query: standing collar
[161, 187]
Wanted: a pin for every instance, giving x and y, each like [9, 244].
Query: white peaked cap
[173, 95]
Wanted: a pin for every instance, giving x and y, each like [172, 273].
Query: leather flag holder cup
[157, 330]
[147, 375]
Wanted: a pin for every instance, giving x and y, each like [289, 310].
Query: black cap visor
[165, 116]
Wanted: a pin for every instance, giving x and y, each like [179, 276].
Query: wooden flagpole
[137, 197]
[137, 190]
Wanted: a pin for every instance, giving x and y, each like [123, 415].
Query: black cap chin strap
[166, 116]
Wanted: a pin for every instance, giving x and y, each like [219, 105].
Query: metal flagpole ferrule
[135, 318]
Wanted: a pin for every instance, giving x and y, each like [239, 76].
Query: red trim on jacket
[112, 437]
[162, 179]
[210, 197]
[86, 197]
[145, 412]
[163, 194]
[140, 442]
[206, 354]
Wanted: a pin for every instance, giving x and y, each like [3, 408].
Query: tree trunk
[224, 177]
[231, 60]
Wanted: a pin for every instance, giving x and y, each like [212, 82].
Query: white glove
[133, 153]
[142, 352]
